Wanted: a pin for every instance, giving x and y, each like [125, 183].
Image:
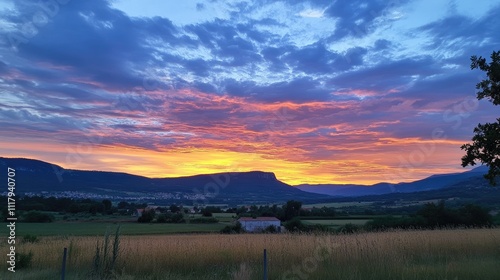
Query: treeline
[71, 205]
[285, 212]
[34, 208]
[438, 215]
[429, 216]
[161, 215]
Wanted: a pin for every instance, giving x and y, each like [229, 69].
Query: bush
[271, 229]
[206, 212]
[393, 222]
[295, 224]
[30, 238]
[236, 228]
[170, 218]
[147, 216]
[349, 228]
[161, 218]
[210, 220]
[106, 254]
[38, 217]
[24, 260]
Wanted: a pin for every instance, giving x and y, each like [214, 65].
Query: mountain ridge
[433, 182]
[38, 176]
[35, 176]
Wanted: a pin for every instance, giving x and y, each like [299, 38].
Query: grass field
[338, 204]
[98, 228]
[435, 254]
[337, 222]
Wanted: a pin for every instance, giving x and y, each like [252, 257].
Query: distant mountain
[434, 182]
[34, 176]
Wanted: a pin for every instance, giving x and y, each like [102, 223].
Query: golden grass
[434, 254]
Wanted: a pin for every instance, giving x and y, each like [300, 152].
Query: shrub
[295, 224]
[24, 260]
[236, 228]
[147, 216]
[104, 260]
[271, 229]
[349, 228]
[30, 238]
[210, 220]
[38, 217]
[170, 218]
[206, 212]
[161, 218]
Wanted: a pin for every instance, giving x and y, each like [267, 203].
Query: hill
[434, 182]
[34, 176]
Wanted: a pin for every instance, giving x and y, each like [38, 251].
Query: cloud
[388, 75]
[200, 7]
[317, 59]
[312, 86]
[297, 90]
[359, 18]
[461, 35]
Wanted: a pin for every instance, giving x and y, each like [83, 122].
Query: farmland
[98, 228]
[434, 254]
[335, 223]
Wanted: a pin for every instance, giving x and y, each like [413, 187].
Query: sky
[315, 91]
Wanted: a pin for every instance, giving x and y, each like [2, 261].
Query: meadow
[98, 228]
[336, 223]
[431, 254]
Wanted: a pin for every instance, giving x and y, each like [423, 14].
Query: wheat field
[433, 254]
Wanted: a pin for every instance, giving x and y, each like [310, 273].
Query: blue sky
[315, 91]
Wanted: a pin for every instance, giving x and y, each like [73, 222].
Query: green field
[99, 228]
[336, 222]
[338, 204]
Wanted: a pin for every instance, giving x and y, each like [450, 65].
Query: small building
[259, 224]
[138, 212]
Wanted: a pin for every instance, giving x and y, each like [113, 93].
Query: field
[435, 254]
[99, 228]
[338, 204]
[97, 225]
[335, 223]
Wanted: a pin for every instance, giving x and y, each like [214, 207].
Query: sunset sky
[315, 91]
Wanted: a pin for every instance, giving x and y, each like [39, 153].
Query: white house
[259, 224]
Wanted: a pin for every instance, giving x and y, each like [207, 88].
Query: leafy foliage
[291, 209]
[436, 215]
[106, 254]
[485, 146]
[24, 260]
[147, 216]
[204, 220]
[236, 228]
[30, 238]
[38, 217]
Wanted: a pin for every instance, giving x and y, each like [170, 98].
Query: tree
[205, 212]
[485, 146]
[107, 206]
[123, 205]
[174, 208]
[147, 216]
[292, 209]
[38, 217]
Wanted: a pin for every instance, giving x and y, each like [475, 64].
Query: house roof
[246, 219]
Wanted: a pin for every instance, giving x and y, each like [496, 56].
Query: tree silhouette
[485, 147]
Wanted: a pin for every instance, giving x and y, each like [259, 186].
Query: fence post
[63, 272]
[265, 264]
